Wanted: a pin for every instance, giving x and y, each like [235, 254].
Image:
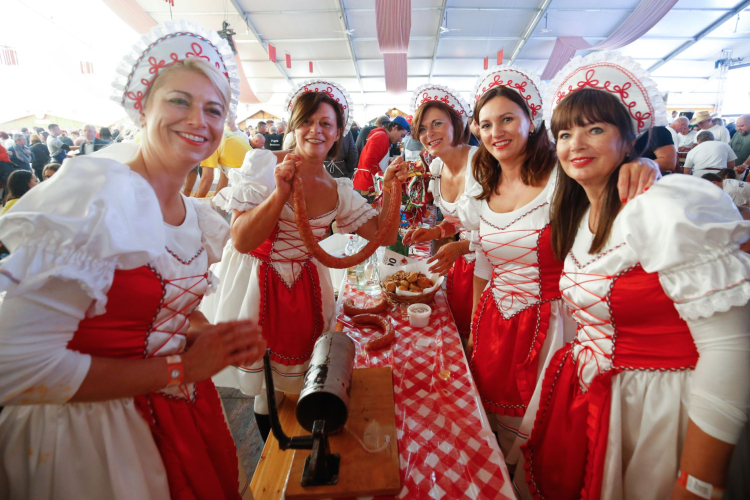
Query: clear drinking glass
[368, 275]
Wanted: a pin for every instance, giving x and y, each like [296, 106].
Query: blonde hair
[218, 80]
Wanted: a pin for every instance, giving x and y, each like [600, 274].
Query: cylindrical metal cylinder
[328, 382]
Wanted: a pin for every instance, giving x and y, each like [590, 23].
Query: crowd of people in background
[693, 143]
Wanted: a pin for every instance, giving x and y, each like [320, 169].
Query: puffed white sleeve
[353, 210]
[435, 168]
[469, 209]
[93, 217]
[214, 230]
[689, 232]
[36, 367]
[251, 184]
[67, 237]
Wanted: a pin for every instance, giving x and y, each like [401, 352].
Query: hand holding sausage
[284, 174]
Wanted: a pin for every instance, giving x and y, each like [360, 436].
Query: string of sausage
[393, 217]
[389, 333]
[351, 310]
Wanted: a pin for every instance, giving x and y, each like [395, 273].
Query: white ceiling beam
[437, 39]
[532, 26]
[451, 9]
[349, 45]
[256, 33]
[703, 34]
[483, 38]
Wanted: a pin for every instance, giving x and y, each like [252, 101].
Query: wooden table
[446, 448]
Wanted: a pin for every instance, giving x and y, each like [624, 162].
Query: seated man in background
[738, 190]
[709, 156]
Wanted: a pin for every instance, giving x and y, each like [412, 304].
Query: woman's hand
[284, 174]
[445, 257]
[238, 343]
[398, 169]
[418, 235]
[198, 325]
[636, 177]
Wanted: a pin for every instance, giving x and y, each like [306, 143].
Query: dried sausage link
[389, 333]
[393, 217]
[351, 310]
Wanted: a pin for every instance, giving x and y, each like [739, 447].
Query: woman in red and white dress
[440, 124]
[518, 315]
[105, 363]
[266, 273]
[656, 384]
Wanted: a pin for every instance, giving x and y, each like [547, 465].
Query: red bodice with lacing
[192, 436]
[513, 316]
[291, 314]
[626, 323]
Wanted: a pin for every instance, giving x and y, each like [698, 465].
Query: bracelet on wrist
[697, 487]
[175, 370]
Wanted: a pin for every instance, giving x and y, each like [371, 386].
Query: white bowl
[419, 315]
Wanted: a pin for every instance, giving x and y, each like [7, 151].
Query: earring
[532, 133]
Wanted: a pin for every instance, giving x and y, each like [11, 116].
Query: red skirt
[505, 356]
[572, 424]
[195, 443]
[291, 316]
[460, 291]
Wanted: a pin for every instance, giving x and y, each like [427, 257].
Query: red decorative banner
[9, 57]
[170, 2]
[87, 68]
[499, 57]
[271, 53]
[311, 67]
[288, 60]
[486, 62]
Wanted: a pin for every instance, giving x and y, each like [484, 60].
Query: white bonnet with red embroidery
[162, 47]
[444, 94]
[614, 73]
[528, 86]
[334, 90]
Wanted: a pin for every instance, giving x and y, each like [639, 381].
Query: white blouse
[455, 212]
[688, 232]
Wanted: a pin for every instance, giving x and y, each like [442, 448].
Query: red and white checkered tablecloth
[446, 448]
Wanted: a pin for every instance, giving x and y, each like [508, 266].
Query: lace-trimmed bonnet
[162, 47]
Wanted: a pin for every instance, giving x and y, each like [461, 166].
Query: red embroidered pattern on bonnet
[520, 87]
[328, 91]
[620, 90]
[426, 97]
[157, 65]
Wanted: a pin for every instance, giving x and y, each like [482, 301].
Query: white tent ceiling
[450, 38]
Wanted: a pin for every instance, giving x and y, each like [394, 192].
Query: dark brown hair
[18, 184]
[305, 106]
[540, 155]
[460, 130]
[570, 202]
